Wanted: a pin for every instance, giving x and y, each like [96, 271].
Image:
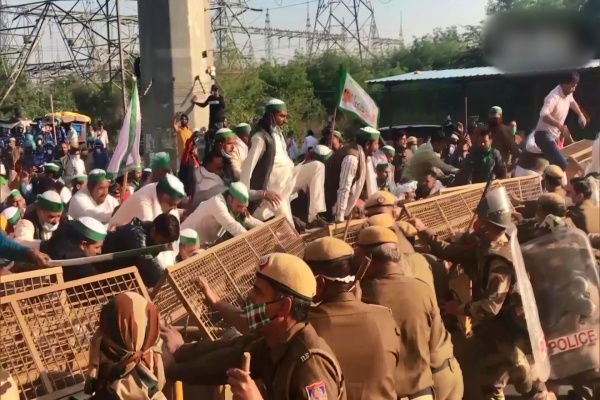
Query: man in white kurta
[148, 203]
[74, 166]
[41, 222]
[348, 193]
[93, 199]
[240, 150]
[222, 213]
[284, 180]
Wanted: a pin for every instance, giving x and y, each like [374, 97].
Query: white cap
[370, 130]
[189, 237]
[275, 102]
[50, 200]
[171, 185]
[91, 228]
[51, 167]
[11, 214]
[322, 150]
[239, 191]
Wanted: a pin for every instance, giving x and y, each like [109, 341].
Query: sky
[419, 17]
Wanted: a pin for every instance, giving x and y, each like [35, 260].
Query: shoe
[299, 225]
[317, 223]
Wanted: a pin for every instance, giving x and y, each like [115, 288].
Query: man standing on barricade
[496, 308]
[269, 169]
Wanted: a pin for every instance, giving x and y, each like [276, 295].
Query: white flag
[354, 100]
[127, 151]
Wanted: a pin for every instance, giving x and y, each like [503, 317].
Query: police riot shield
[564, 277]
[530, 309]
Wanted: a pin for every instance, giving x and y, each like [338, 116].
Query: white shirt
[293, 150]
[72, 138]
[239, 154]
[208, 180]
[211, 219]
[556, 105]
[144, 205]
[74, 166]
[348, 194]
[83, 205]
[309, 141]
[103, 136]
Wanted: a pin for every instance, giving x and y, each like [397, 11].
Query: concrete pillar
[173, 36]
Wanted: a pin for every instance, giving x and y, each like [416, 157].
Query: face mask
[256, 314]
[451, 149]
[47, 227]
[413, 148]
[224, 154]
[514, 131]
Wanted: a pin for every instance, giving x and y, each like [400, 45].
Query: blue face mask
[256, 314]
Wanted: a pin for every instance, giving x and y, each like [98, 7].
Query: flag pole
[333, 125]
[52, 111]
[124, 186]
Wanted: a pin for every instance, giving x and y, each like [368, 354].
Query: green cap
[172, 186]
[12, 215]
[97, 175]
[79, 179]
[90, 228]
[368, 133]
[238, 191]
[388, 150]
[160, 161]
[223, 134]
[338, 134]
[50, 201]
[275, 105]
[496, 110]
[243, 128]
[189, 237]
[51, 167]
[15, 193]
[383, 167]
[137, 169]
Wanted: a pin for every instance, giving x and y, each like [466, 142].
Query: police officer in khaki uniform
[447, 374]
[585, 215]
[363, 337]
[552, 183]
[413, 305]
[547, 204]
[496, 309]
[553, 180]
[381, 202]
[289, 357]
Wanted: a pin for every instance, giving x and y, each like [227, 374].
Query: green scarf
[487, 157]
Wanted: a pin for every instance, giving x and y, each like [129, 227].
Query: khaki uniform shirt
[301, 366]
[365, 340]
[418, 266]
[415, 310]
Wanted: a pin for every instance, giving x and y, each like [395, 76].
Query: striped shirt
[347, 196]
